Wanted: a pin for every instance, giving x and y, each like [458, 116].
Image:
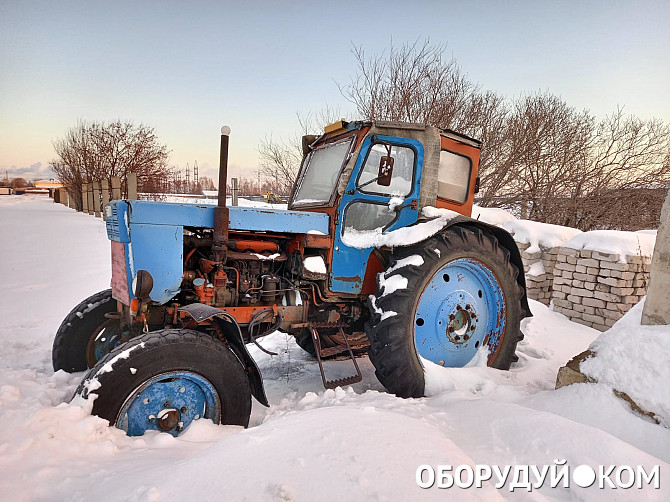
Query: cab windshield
[320, 172]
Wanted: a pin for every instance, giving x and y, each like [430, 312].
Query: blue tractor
[376, 253]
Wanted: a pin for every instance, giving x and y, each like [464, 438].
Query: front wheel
[442, 301]
[164, 380]
[86, 334]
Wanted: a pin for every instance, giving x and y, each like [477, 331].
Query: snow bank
[492, 215]
[615, 242]
[632, 358]
[358, 443]
[539, 234]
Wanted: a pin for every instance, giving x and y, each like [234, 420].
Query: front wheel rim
[461, 309]
[169, 402]
[103, 340]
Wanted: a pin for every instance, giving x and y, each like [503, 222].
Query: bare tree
[18, 183]
[206, 183]
[541, 158]
[413, 83]
[280, 159]
[95, 151]
[629, 160]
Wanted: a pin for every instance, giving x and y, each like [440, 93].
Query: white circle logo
[584, 476]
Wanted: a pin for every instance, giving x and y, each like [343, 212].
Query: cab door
[382, 195]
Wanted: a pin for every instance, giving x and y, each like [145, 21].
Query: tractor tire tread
[392, 350]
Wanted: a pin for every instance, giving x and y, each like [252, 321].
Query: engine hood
[251, 219]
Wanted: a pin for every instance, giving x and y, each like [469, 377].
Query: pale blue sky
[186, 68]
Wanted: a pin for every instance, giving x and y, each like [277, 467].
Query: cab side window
[403, 170]
[453, 176]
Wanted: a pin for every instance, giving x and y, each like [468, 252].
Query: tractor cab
[376, 177]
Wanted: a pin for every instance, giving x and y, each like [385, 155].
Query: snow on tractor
[376, 253]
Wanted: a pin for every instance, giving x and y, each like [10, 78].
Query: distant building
[48, 184]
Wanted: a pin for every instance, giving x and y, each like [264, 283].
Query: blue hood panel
[252, 219]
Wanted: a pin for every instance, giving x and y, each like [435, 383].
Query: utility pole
[196, 178]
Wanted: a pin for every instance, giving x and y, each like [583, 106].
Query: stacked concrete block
[596, 288]
[538, 264]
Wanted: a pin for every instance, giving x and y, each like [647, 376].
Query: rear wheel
[86, 334]
[164, 380]
[443, 300]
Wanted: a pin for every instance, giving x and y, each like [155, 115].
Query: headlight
[143, 283]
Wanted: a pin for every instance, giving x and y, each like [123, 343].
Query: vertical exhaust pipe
[221, 218]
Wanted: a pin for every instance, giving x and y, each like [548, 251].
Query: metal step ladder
[332, 351]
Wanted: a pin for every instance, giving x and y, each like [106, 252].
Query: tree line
[541, 158]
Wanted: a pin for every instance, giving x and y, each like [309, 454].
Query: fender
[231, 330]
[503, 237]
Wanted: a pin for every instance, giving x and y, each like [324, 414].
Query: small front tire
[164, 380]
[86, 334]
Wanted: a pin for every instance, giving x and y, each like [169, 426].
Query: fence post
[84, 197]
[96, 199]
[116, 188]
[132, 186]
[233, 182]
[105, 196]
[89, 195]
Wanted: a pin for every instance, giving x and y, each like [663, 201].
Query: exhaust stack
[221, 218]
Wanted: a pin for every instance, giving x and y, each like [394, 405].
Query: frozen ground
[357, 443]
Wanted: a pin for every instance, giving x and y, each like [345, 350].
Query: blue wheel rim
[459, 310]
[169, 402]
[106, 338]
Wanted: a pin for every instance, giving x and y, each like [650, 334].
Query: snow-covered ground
[357, 443]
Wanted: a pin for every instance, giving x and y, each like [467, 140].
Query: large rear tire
[164, 380]
[442, 300]
[81, 339]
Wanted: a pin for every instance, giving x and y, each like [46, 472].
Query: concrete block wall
[538, 264]
[596, 288]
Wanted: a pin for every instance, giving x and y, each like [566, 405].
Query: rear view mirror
[385, 171]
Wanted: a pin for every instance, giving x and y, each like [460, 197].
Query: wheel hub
[461, 324]
[168, 419]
